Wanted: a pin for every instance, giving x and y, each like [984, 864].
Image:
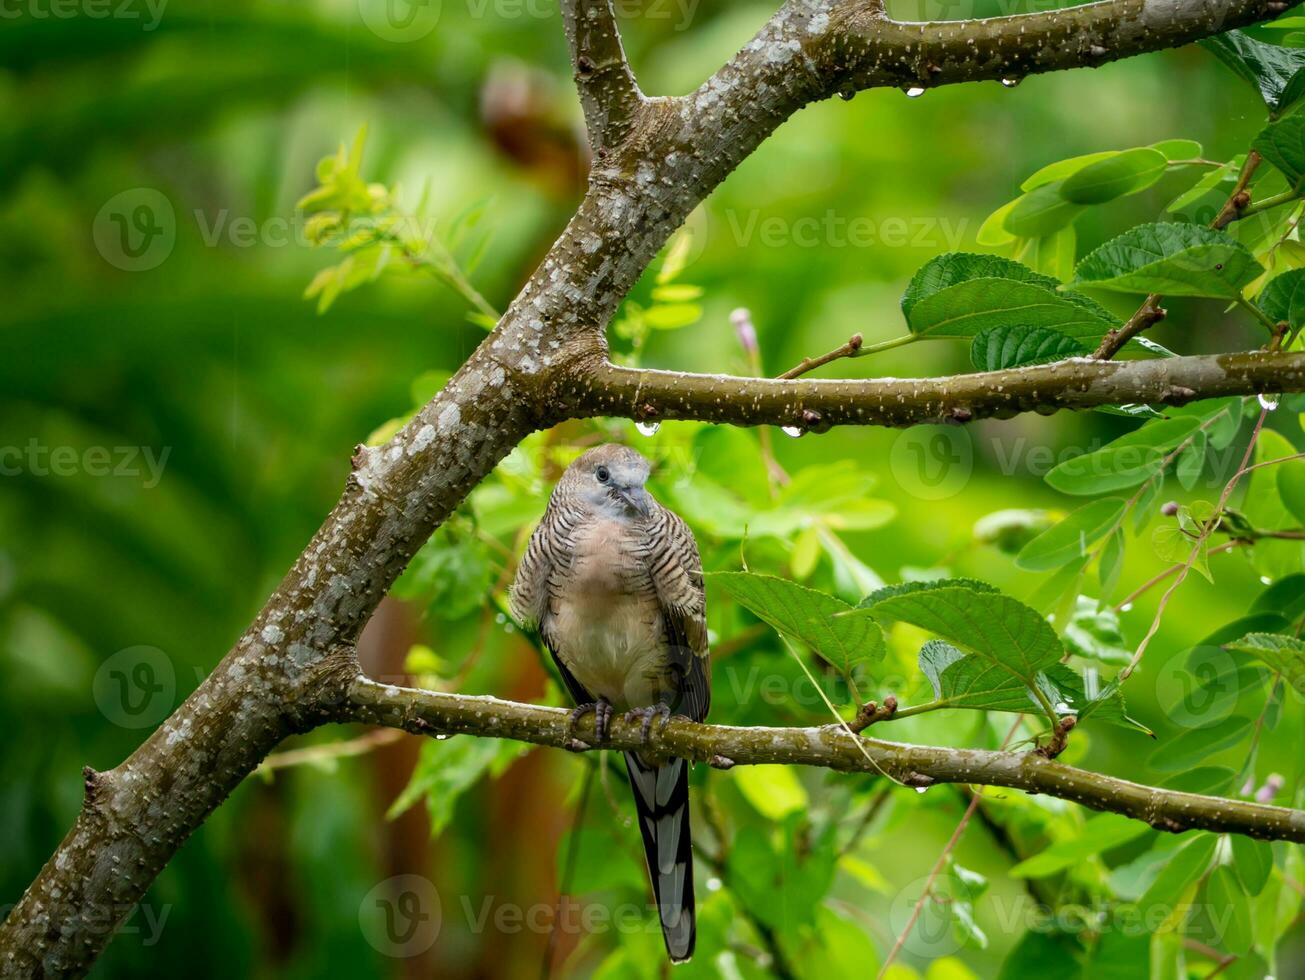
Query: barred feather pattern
[613, 583]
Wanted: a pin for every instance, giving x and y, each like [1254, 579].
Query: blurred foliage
[177, 419]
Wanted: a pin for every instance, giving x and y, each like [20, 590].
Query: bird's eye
[602, 474]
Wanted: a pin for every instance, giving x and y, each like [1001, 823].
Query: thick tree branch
[815, 405]
[608, 91]
[830, 747]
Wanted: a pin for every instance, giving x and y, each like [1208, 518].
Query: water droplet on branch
[1268, 402]
[914, 92]
[1011, 82]
[791, 430]
[647, 428]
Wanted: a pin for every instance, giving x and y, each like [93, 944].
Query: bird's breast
[608, 620]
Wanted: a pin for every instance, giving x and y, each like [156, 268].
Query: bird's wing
[676, 571]
[547, 551]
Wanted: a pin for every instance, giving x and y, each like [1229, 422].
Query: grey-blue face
[611, 479]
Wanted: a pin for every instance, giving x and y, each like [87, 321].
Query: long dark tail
[661, 797]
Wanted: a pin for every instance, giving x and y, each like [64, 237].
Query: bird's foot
[602, 712]
[647, 715]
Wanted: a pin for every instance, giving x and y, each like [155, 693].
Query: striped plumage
[613, 583]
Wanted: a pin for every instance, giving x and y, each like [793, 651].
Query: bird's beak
[638, 499]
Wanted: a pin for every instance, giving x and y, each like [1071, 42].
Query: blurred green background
[228, 407]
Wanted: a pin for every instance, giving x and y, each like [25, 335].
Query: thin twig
[938, 866]
[849, 349]
[1206, 529]
[331, 751]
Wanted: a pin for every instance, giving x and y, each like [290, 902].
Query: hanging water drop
[791, 430]
[914, 92]
[647, 428]
[1265, 580]
[1126, 607]
[847, 94]
[922, 789]
[1268, 402]
[1011, 82]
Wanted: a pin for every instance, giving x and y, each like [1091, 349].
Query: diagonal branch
[815, 405]
[829, 747]
[608, 91]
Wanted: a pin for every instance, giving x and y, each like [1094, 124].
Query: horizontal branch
[815, 405]
[879, 51]
[829, 747]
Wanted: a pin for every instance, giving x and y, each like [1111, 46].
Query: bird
[611, 581]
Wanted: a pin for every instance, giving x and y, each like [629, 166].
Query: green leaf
[451, 574]
[1285, 654]
[1051, 255]
[904, 588]
[993, 231]
[806, 615]
[1278, 73]
[1285, 597]
[1045, 954]
[1173, 259]
[1282, 143]
[1179, 149]
[1071, 537]
[1099, 834]
[1122, 173]
[1093, 631]
[774, 791]
[1126, 462]
[1065, 168]
[1283, 298]
[1291, 487]
[980, 304]
[1040, 212]
[1196, 744]
[1229, 907]
[953, 268]
[1003, 631]
[1014, 345]
[1192, 461]
[1204, 199]
[1010, 530]
[445, 770]
[1177, 875]
[1253, 862]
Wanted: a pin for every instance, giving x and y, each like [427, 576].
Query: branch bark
[829, 747]
[816, 404]
[609, 94]
[655, 160]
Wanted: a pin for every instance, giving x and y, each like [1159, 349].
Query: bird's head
[610, 478]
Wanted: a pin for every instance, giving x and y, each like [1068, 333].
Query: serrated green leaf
[1173, 259]
[806, 615]
[1283, 298]
[1278, 73]
[952, 268]
[1015, 345]
[1285, 654]
[991, 625]
[1070, 538]
[1123, 173]
[1282, 143]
